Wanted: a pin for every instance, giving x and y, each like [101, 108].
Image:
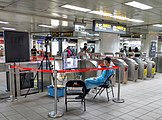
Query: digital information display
[70, 63]
[105, 26]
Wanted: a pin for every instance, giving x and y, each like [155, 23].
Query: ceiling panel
[4, 3]
[28, 14]
[152, 3]
[33, 5]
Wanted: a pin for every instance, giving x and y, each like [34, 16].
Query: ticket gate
[87, 64]
[158, 61]
[151, 68]
[120, 54]
[82, 55]
[142, 74]
[95, 56]
[132, 69]
[122, 73]
[109, 54]
[145, 70]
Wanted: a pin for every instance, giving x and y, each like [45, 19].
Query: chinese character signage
[62, 34]
[105, 26]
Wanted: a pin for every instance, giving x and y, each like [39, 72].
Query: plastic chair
[107, 85]
[73, 88]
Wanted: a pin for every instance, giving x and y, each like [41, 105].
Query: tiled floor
[143, 101]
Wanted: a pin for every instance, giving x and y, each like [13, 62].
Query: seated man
[95, 82]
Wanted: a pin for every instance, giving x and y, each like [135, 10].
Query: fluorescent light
[54, 22]
[76, 8]
[138, 5]
[7, 28]
[100, 13]
[119, 17]
[64, 16]
[135, 20]
[46, 26]
[55, 14]
[96, 34]
[157, 25]
[3, 22]
[125, 18]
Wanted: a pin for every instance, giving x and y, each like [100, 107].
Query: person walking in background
[129, 49]
[69, 53]
[137, 54]
[34, 53]
[85, 48]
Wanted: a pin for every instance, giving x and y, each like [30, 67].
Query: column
[109, 42]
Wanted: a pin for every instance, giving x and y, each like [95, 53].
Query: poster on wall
[55, 47]
[16, 46]
[152, 52]
[64, 45]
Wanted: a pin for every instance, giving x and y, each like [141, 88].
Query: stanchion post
[17, 73]
[12, 84]
[118, 100]
[55, 113]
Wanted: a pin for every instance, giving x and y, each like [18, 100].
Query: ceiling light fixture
[3, 22]
[55, 14]
[46, 26]
[115, 16]
[100, 13]
[7, 28]
[96, 34]
[76, 8]
[135, 20]
[138, 5]
[157, 25]
[119, 17]
[64, 16]
[125, 18]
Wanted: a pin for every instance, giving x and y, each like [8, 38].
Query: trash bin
[151, 68]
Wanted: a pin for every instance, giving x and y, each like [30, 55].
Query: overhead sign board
[62, 34]
[66, 34]
[132, 35]
[38, 37]
[106, 26]
[79, 28]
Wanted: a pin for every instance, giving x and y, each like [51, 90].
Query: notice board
[152, 52]
[16, 46]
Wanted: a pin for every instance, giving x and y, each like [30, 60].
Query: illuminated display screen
[104, 26]
[70, 63]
